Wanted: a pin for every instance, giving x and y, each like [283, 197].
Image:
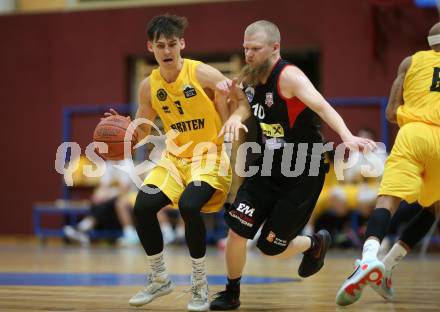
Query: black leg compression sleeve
[191, 202]
[417, 228]
[378, 223]
[147, 224]
[404, 214]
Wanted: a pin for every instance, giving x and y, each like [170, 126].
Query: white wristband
[433, 40]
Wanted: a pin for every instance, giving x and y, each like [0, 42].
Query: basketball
[111, 130]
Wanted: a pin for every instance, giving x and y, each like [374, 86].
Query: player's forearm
[335, 121]
[236, 158]
[391, 111]
[243, 110]
[396, 93]
[143, 131]
[147, 116]
[394, 102]
[221, 105]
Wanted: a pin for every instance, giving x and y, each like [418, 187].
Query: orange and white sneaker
[366, 273]
[386, 288]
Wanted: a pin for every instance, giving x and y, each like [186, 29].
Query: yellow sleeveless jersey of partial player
[421, 90]
[184, 107]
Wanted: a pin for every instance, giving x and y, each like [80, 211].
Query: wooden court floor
[416, 281]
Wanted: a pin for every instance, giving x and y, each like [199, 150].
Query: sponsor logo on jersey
[269, 99]
[189, 91]
[250, 92]
[272, 130]
[189, 125]
[161, 95]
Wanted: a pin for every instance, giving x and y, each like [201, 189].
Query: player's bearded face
[253, 74]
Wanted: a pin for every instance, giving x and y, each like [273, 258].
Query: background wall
[49, 61]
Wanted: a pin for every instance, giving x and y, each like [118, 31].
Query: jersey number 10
[258, 111]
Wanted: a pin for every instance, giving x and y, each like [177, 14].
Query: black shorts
[283, 204]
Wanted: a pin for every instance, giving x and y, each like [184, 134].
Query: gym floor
[58, 277]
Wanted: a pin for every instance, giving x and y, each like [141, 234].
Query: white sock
[393, 257]
[129, 230]
[198, 269]
[157, 266]
[180, 232]
[85, 225]
[165, 227]
[308, 230]
[371, 247]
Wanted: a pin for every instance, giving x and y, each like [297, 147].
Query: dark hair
[167, 25]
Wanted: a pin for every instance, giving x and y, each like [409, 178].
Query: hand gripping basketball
[112, 130]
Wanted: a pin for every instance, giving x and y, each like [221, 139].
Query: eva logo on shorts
[270, 237]
[246, 209]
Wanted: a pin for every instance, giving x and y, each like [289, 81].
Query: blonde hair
[270, 30]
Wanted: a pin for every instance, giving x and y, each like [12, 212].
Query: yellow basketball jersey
[184, 107]
[421, 90]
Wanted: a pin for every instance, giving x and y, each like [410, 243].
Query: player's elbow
[391, 116]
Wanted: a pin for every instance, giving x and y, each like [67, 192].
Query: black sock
[233, 284]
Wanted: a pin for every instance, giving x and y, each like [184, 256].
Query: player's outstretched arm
[396, 92]
[293, 82]
[208, 78]
[213, 79]
[239, 106]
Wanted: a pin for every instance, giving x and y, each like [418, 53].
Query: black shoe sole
[218, 308]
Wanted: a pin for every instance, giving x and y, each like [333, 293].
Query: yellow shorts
[172, 174]
[412, 171]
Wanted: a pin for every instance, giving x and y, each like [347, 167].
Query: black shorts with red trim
[284, 205]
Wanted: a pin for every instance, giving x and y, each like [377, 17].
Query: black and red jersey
[282, 120]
